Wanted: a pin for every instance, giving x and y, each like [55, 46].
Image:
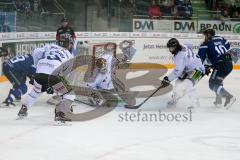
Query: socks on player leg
[33, 95]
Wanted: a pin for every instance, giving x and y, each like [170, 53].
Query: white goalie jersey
[103, 80]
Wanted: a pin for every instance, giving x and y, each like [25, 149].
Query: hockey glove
[207, 69]
[31, 81]
[49, 90]
[165, 81]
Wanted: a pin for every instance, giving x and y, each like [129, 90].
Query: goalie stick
[138, 106]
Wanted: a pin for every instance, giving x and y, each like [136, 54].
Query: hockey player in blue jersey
[17, 69]
[214, 49]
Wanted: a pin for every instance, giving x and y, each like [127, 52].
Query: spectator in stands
[5, 27]
[235, 16]
[27, 7]
[185, 10]
[167, 7]
[178, 2]
[23, 6]
[154, 11]
[225, 14]
[65, 31]
[18, 4]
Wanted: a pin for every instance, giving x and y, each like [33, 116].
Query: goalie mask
[101, 64]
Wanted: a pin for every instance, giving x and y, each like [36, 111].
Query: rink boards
[150, 47]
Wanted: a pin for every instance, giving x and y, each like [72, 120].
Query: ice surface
[213, 134]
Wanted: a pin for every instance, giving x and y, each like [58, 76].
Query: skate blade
[218, 106]
[60, 123]
[191, 109]
[5, 106]
[231, 103]
[20, 117]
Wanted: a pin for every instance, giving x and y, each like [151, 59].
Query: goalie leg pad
[64, 106]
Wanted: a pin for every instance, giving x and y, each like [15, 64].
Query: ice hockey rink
[212, 134]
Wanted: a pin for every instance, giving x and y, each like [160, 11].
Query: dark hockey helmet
[209, 31]
[101, 64]
[174, 46]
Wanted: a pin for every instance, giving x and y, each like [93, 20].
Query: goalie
[102, 79]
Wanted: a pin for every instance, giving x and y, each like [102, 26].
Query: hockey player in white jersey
[188, 71]
[52, 57]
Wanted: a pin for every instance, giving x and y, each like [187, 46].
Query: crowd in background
[177, 9]
[229, 9]
[29, 6]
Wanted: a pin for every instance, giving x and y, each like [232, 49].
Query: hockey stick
[89, 104]
[138, 106]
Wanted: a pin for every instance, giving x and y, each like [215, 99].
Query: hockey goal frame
[99, 49]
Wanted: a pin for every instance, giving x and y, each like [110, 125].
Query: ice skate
[229, 101]
[7, 104]
[171, 104]
[191, 108]
[218, 101]
[23, 112]
[60, 119]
